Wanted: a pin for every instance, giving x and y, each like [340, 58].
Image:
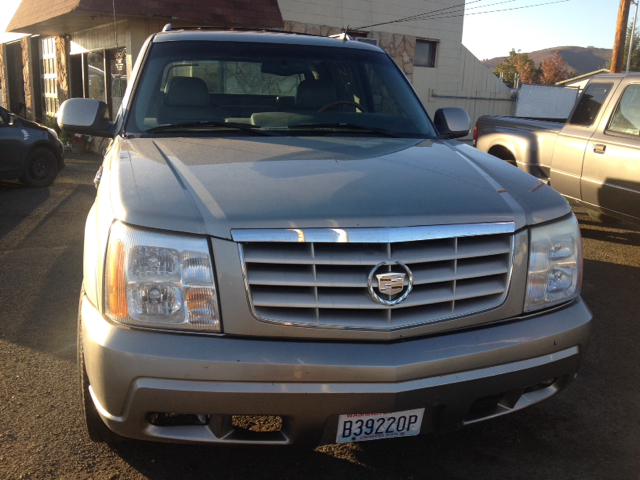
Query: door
[611, 173]
[570, 146]
[11, 147]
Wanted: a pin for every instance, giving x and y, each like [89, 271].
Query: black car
[28, 151]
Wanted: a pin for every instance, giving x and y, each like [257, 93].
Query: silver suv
[285, 248]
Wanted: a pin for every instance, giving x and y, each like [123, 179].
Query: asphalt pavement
[589, 431]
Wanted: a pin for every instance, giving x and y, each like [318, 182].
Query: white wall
[457, 73]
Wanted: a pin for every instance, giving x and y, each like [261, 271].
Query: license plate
[359, 427]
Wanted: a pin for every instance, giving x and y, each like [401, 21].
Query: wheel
[94, 426]
[41, 169]
[598, 216]
[343, 102]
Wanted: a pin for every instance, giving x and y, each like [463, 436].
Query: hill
[581, 59]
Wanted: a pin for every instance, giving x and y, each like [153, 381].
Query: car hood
[213, 185]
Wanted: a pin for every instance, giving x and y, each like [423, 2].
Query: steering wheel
[343, 102]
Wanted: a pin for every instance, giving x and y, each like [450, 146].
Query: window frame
[614, 133]
[611, 84]
[433, 53]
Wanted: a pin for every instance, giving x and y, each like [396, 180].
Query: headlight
[53, 133]
[555, 264]
[160, 280]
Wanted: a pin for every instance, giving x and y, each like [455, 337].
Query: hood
[213, 185]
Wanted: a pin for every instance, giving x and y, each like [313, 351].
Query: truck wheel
[598, 216]
[41, 169]
[94, 426]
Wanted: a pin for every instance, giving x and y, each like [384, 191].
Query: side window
[233, 78]
[248, 78]
[210, 72]
[626, 118]
[590, 103]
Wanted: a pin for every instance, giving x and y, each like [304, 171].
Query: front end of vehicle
[495, 324]
[318, 265]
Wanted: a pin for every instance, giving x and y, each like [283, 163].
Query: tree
[554, 70]
[517, 64]
[635, 55]
[527, 69]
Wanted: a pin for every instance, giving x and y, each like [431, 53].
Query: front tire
[41, 169]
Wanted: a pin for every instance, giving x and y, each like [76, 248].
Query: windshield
[274, 88]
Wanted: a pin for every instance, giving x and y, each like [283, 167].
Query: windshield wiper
[346, 126]
[204, 124]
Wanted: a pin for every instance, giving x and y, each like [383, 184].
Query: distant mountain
[580, 59]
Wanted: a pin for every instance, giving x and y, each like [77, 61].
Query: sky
[7, 9]
[580, 23]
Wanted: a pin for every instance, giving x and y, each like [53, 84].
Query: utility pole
[621, 34]
[633, 32]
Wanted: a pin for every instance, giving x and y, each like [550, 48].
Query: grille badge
[390, 284]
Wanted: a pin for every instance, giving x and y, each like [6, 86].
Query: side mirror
[452, 122]
[12, 119]
[86, 116]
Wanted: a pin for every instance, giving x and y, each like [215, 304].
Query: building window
[96, 73]
[49, 76]
[425, 53]
[118, 71]
[101, 75]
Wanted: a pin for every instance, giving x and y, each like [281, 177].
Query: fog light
[177, 419]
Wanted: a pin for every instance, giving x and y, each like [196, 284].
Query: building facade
[87, 48]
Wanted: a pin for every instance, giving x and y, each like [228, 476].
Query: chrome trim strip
[368, 235]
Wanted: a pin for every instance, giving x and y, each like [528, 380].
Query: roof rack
[169, 28]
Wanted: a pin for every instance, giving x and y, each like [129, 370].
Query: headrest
[187, 92]
[315, 94]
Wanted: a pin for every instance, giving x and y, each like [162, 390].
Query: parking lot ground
[589, 431]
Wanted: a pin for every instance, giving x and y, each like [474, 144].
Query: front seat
[315, 94]
[186, 100]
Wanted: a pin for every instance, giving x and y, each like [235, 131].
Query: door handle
[599, 148]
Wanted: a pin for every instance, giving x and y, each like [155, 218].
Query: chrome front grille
[298, 280]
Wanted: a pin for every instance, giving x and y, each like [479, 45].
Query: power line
[499, 10]
[406, 19]
[441, 14]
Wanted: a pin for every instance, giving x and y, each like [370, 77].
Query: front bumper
[309, 384]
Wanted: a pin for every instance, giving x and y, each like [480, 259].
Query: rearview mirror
[452, 122]
[284, 68]
[86, 116]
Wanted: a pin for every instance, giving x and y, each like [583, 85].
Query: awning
[57, 17]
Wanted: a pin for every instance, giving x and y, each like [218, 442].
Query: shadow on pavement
[43, 289]
[17, 201]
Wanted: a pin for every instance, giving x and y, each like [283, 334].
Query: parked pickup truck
[285, 248]
[592, 159]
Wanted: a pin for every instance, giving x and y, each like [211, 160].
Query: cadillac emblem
[390, 283]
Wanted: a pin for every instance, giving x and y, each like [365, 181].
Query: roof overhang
[74, 21]
[59, 17]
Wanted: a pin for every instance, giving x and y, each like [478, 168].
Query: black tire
[598, 216]
[41, 168]
[94, 426]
